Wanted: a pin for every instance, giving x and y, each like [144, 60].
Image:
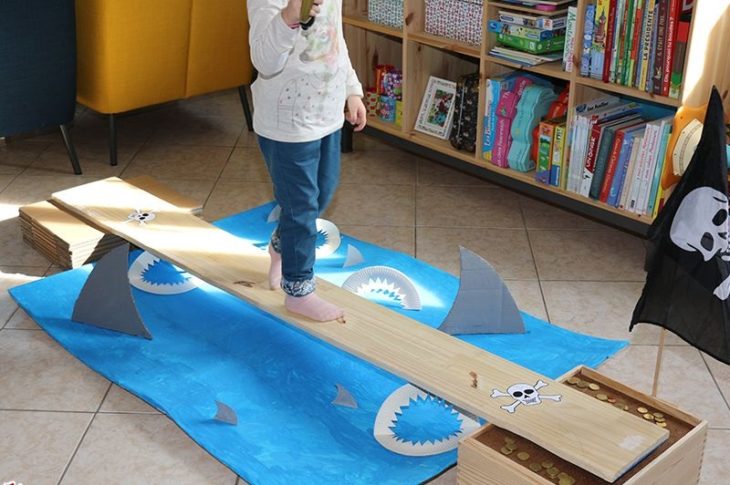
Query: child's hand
[356, 113]
[290, 13]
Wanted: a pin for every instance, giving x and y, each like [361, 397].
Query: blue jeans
[305, 177]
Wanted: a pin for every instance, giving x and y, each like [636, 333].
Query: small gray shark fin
[344, 398]
[225, 414]
[354, 256]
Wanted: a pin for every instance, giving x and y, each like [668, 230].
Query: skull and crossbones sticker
[142, 217]
[524, 394]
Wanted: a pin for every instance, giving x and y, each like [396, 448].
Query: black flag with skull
[688, 265]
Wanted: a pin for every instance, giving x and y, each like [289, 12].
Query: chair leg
[246, 106]
[346, 139]
[70, 149]
[112, 140]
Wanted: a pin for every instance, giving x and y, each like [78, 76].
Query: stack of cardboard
[68, 242]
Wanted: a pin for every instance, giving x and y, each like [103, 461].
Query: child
[304, 79]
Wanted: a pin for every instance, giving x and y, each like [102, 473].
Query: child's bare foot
[314, 307]
[274, 269]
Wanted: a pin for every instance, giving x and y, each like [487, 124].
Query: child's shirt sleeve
[271, 40]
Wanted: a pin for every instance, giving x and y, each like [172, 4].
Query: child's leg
[294, 169]
[329, 169]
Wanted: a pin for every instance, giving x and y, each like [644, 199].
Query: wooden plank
[582, 430]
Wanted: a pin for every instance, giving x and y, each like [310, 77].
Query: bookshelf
[420, 54]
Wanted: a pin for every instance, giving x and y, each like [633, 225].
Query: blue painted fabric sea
[209, 345]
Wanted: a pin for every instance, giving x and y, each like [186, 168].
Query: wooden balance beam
[599, 438]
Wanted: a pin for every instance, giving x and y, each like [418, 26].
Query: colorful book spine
[585, 64]
[646, 39]
[494, 87]
[617, 36]
[556, 165]
[652, 56]
[598, 48]
[532, 46]
[545, 149]
[670, 40]
[611, 166]
[569, 48]
[630, 172]
[523, 32]
[662, 155]
[623, 167]
[635, 42]
[589, 165]
[680, 52]
[611, 25]
[659, 53]
[623, 41]
[628, 45]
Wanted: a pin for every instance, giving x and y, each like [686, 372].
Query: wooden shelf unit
[420, 55]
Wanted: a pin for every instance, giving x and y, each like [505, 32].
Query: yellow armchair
[138, 53]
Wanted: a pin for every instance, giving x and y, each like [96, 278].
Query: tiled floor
[62, 423]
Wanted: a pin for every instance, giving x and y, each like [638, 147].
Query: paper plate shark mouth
[329, 232]
[414, 423]
[383, 283]
[149, 273]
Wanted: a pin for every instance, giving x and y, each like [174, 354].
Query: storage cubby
[420, 54]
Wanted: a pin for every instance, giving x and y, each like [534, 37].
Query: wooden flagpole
[658, 367]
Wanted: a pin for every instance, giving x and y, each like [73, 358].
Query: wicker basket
[386, 12]
[455, 19]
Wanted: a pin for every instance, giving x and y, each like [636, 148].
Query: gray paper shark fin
[344, 398]
[225, 414]
[354, 256]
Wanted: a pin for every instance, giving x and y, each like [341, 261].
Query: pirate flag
[688, 263]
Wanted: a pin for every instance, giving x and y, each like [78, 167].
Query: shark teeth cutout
[391, 410]
[332, 238]
[387, 280]
[140, 266]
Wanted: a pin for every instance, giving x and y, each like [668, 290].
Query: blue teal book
[585, 63]
[659, 167]
[604, 152]
[623, 164]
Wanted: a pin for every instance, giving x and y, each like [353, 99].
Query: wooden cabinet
[420, 55]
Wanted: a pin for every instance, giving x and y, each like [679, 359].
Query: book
[635, 42]
[623, 41]
[569, 48]
[652, 158]
[628, 44]
[617, 36]
[652, 55]
[609, 39]
[523, 32]
[544, 22]
[532, 46]
[605, 151]
[642, 160]
[627, 182]
[612, 164]
[523, 58]
[598, 47]
[660, 47]
[673, 18]
[556, 165]
[661, 158]
[623, 165]
[494, 89]
[680, 52]
[646, 39]
[585, 63]
[546, 135]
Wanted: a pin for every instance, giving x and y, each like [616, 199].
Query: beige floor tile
[605, 255]
[247, 139]
[198, 190]
[16, 155]
[361, 141]
[715, 465]
[225, 104]
[433, 173]
[541, 215]
[15, 251]
[443, 206]
[198, 131]
[528, 297]
[27, 189]
[684, 379]
[5, 181]
[11, 276]
[230, 198]
[372, 205]
[721, 373]
[601, 309]
[507, 250]
[93, 158]
[131, 128]
[401, 239]
[179, 162]
[37, 446]
[21, 321]
[120, 401]
[38, 374]
[150, 448]
[369, 167]
[246, 163]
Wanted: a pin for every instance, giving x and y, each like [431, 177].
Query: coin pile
[547, 466]
[657, 417]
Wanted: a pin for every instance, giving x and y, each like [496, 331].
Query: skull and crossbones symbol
[701, 226]
[141, 216]
[524, 394]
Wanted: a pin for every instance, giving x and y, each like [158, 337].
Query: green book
[624, 41]
[532, 46]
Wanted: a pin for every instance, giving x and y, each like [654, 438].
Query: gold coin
[612, 400]
[562, 475]
[553, 472]
[658, 415]
[535, 467]
[512, 446]
[573, 380]
[642, 410]
[566, 481]
[601, 397]
[659, 420]
[507, 439]
[593, 386]
[582, 385]
[505, 451]
[662, 424]
[649, 417]
[523, 455]
[618, 405]
[547, 464]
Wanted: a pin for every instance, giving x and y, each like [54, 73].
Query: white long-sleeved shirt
[304, 77]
